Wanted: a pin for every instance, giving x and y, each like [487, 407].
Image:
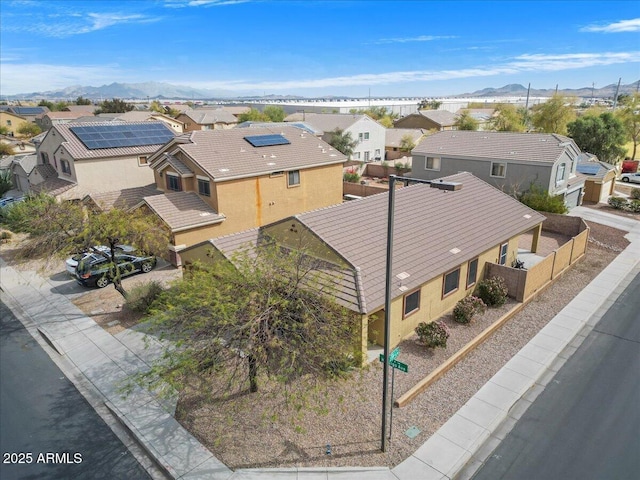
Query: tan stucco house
[443, 242]
[90, 158]
[218, 182]
[207, 119]
[12, 122]
[429, 120]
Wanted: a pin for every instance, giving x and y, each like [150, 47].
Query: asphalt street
[47, 428]
[586, 423]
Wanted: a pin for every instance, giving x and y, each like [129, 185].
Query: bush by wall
[433, 334]
[617, 202]
[142, 296]
[467, 308]
[635, 194]
[493, 291]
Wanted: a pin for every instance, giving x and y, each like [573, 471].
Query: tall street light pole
[387, 296]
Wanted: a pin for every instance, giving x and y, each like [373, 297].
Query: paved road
[42, 412]
[586, 423]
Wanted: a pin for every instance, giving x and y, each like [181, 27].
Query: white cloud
[420, 38]
[632, 25]
[201, 3]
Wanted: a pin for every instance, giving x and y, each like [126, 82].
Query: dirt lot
[242, 431]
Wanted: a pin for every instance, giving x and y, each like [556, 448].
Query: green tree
[466, 122]
[253, 115]
[6, 181]
[429, 105]
[114, 105]
[629, 114]
[6, 150]
[275, 114]
[28, 129]
[603, 136]
[46, 103]
[83, 101]
[263, 315]
[343, 142]
[4, 130]
[508, 119]
[58, 229]
[156, 106]
[406, 143]
[553, 115]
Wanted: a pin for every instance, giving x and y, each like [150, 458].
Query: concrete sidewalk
[455, 450]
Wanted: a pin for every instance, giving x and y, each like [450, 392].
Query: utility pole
[615, 98]
[593, 87]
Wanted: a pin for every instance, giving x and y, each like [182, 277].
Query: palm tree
[343, 142]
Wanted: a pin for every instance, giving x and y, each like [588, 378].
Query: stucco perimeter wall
[350, 188]
[563, 224]
[522, 284]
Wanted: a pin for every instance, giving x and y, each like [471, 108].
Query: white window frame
[435, 164]
[504, 173]
[560, 173]
[291, 178]
[444, 282]
[504, 251]
[406, 313]
[203, 181]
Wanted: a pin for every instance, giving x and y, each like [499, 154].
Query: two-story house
[394, 141]
[506, 160]
[217, 182]
[369, 134]
[87, 158]
[429, 120]
[12, 122]
[207, 119]
[443, 242]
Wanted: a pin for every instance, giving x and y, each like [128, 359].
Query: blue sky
[318, 48]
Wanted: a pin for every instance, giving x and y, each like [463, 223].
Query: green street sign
[403, 367]
[392, 356]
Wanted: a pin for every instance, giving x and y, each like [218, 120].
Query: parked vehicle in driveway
[92, 270]
[72, 262]
[630, 177]
[6, 201]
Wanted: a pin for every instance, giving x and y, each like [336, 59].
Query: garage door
[571, 199]
[605, 191]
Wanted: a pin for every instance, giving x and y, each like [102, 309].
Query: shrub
[5, 236]
[493, 291]
[142, 296]
[634, 206]
[617, 202]
[433, 334]
[539, 199]
[635, 194]
[467, 308]
[351, 177]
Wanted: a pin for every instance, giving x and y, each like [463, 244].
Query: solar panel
[123, 135]
[28, 110]
[266, 140]
[588, 169]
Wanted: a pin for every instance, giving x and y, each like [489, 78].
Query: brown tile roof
[225, 154]
[183, 210]
[529, 147]
[53, 186]
[393, 136]
[210, 116]
[442, 117]
[125, 198]
[327, 122]
[77, 150]
[176, 164]
[429, 225]
[64, 115]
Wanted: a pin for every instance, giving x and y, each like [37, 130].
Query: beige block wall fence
[522, 284]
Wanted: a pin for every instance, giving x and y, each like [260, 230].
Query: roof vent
[242, 150]
[271, 163]
[455, 250]
[264, 156]
[223, 170]
[272, 156]
[512, 153]
[527, 216]
[402, 275]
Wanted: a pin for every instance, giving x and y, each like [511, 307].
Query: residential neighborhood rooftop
[534, 147]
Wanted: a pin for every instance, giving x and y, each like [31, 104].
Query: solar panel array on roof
[122, 135]
[27, 110]
[266, 140]
[588, 169]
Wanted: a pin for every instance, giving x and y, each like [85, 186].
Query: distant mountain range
[517, 90]
[163, 91]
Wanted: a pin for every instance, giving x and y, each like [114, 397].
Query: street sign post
[403, 367]
[392, 356]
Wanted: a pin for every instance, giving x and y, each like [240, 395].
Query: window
[45, 158]
[142, 160]
[498, 169]
[360, 136]
[366, 135]
[411, 303]
[560, 173]
[366, 156]
[8, 123]
[293, 178]
[277, 174]
[472, 272]
[503, 253]
[174, 183]
[204, 188]
[451, 282]
[356, 155]
[66, 168]
[432, 163]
